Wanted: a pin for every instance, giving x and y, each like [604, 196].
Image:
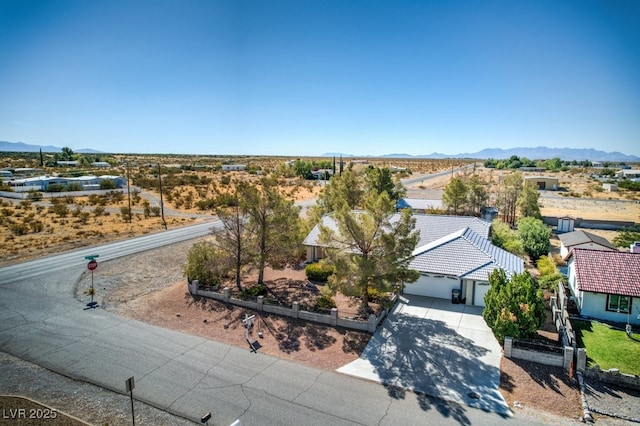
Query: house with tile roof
[583, 239]
[605, 284]
[453, 253]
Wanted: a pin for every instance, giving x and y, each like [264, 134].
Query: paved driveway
[435, 347]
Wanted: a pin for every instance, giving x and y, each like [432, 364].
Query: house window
[618, 303]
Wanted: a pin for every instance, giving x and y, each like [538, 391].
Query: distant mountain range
[25, 147]
[538, 153]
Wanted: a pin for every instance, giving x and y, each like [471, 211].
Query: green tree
[627, 236]
[535, 236]
[380, 179]
[346, 187]
[302, 169]
[67, 153]
[513, 307]
[206, 263]
[504, 237]
[273, 225]
[549, 273]
[454, 197]
[368, 250]
[477, 196]
[528, 201]
[553, 164]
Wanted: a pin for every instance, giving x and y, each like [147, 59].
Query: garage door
[479, 290]
[433, 286]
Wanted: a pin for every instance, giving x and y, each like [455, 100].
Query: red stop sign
[92, 265]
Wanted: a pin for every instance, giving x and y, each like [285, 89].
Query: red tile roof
[610, 272]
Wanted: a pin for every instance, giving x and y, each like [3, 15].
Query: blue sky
[308, 77]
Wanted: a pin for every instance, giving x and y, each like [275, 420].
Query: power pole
[129, 193]
[161, 203]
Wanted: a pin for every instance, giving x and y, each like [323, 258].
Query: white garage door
[433, 286]
[479, 290]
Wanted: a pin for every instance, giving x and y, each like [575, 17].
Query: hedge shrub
[318, 272]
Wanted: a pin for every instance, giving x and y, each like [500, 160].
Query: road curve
[75, 258]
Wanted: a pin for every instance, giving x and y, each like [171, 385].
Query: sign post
[130, 383]
[92, 265]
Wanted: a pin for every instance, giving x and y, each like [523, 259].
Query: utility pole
[129, 193]
[161, 203]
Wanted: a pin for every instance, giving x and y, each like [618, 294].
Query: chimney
[635, 247]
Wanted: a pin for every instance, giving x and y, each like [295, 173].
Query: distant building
[233, 167]
[543, 182]
[532, 169]
[321, 174]
[100, 164]
[42, 183]
[610, 187]
[628, 173]
[67, 163]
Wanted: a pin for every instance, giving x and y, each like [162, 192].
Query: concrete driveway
[434, 347]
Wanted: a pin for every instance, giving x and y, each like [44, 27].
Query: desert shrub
[206, 263]
[68, 199]
[84, 217]
[125, 212]
[6, 212]
[146, 207]
[60, 209]
[255, 290]
[206, 204]
[98, 211]
[25, 204]
[116, 197]
[226, 200]
[225, 180]
[318, 271]
[19, 228]
[36, 226]
[155, 210]
[324, 303]
[34, 195]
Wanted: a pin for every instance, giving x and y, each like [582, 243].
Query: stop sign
[92, 265]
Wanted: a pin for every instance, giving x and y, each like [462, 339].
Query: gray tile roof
[464, 254]
[575, 238]
[431, 227]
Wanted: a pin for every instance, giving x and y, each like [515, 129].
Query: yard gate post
[260, 303]
[508, 346]
[568, 358]
[295, 309]
[334, 316]
[582, 360]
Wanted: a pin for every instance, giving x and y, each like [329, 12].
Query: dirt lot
[133, 287]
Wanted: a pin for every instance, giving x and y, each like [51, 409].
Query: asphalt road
[41, 322]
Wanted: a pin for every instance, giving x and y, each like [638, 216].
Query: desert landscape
[193, 186]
